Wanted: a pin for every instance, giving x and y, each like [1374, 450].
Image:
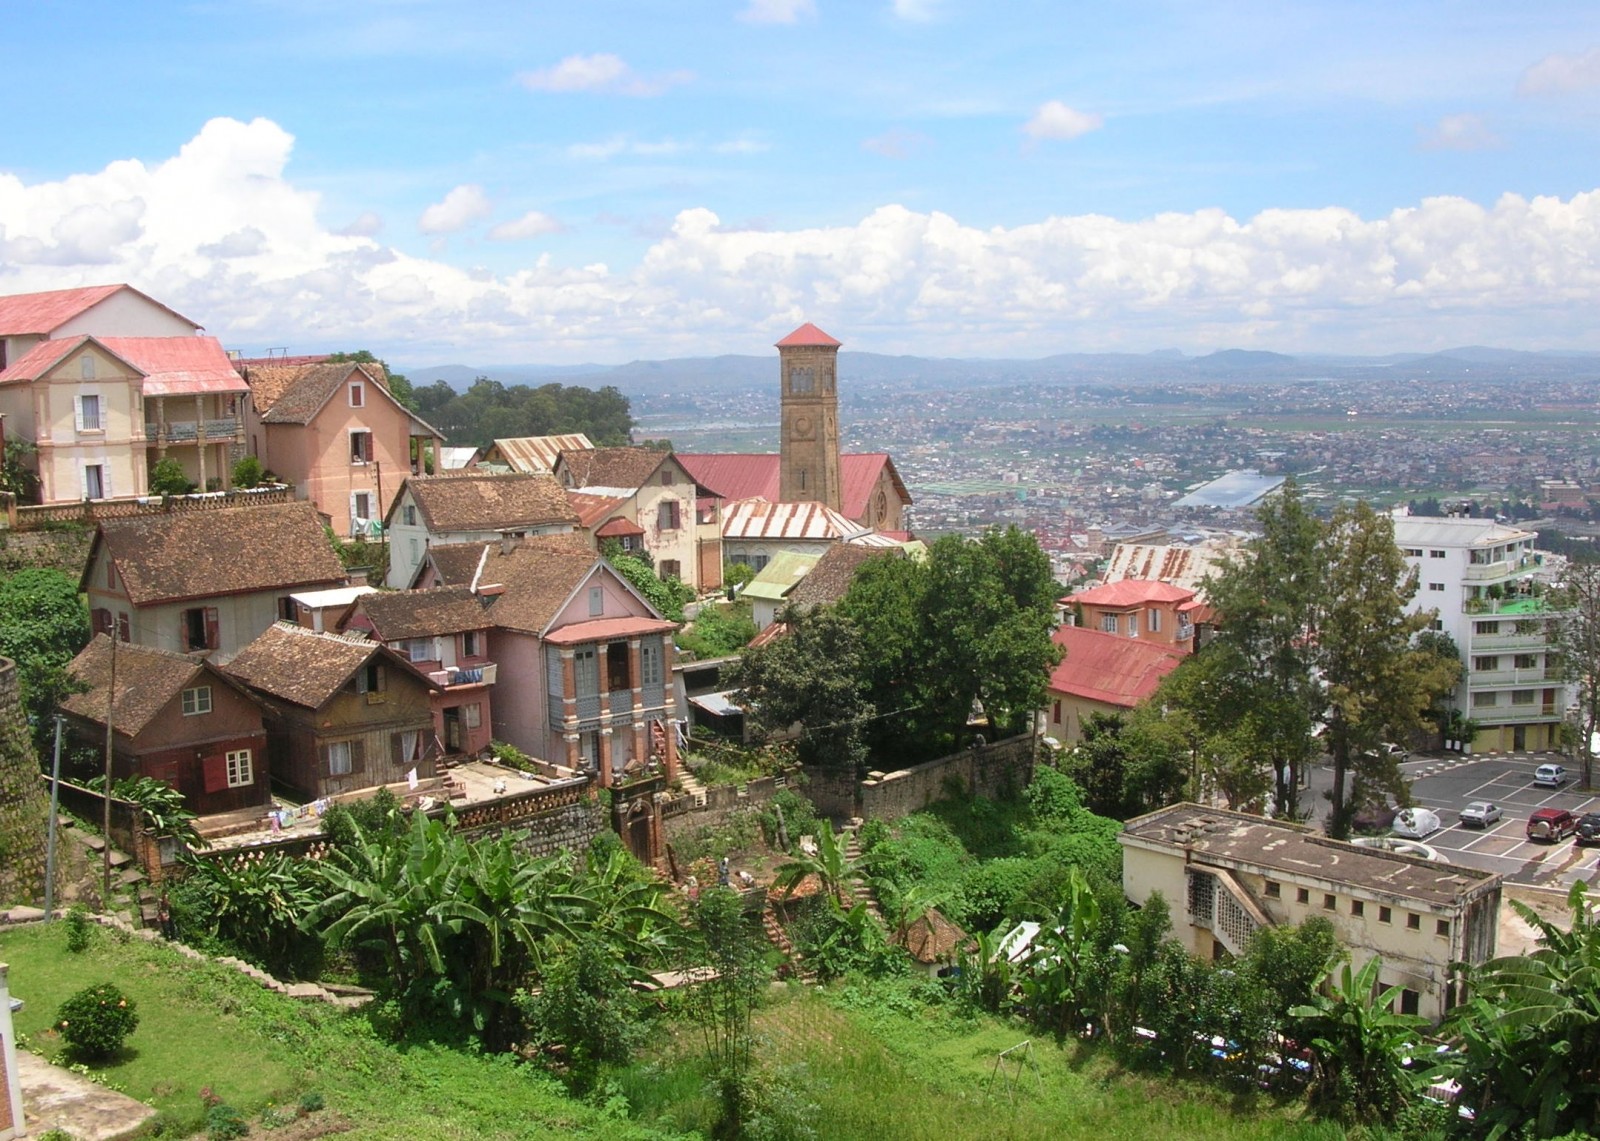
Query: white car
[1415, 823]
[1550, 776]
[1481, 814]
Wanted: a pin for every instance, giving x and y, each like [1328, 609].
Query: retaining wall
[993, 771]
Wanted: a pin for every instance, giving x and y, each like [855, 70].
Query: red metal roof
[616, 528]
[1108, 668]
[745, 475]
[170, 366]
[1130, 592]
[808, 334]
[591, 509]
[23, 314]
[604, 629]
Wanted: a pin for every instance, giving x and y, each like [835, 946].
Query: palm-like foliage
[1058, 983]
[1360, 1046]
[1530, 1036]
[830, 865]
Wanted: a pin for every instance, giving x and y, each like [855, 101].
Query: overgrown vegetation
[43, 625]
[489, 410]
[718, 630]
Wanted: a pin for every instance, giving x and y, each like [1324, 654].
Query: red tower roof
[809, 335]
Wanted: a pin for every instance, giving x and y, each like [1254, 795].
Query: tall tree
[1378, 682]
[1578, 637]
[1260, 683]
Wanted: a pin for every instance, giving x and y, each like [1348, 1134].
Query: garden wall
[985, 770]
[683, 814]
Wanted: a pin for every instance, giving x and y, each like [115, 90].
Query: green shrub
[167, 478]
[311, 1102]
[248, 472]
[95, 1021]
[223, 1123]
[79, 929]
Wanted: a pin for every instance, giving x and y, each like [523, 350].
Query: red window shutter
[213, 639]
[366, 447]
[216, 772]
[124, 630]
[100, 619]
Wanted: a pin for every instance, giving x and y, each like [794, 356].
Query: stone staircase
[857, 888]
[691, 785]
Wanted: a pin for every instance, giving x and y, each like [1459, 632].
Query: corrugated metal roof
[1109, 668]
[1180, 566]
[169, 366]
[537, 454]
[745, 475]
[781, 575]
[1426, 531]
[759, 519]
[1130, 592]
[24, 314]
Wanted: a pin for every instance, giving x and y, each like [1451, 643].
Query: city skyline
[511, 184]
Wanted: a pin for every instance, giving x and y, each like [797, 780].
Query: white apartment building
[1480, 577]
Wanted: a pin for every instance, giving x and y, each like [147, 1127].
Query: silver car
[1480, 814]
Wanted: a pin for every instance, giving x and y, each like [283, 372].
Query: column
[607, 777]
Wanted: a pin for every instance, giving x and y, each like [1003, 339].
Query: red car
[1552, 824]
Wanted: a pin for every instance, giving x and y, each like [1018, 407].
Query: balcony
[1521, 606]
[1503, 569]
[189, 431]
[1516, 714]
[1499, 679]
[477, 675]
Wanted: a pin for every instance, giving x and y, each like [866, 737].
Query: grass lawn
[881, 1066]
[202, 1025]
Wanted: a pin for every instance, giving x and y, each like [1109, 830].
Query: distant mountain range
[1166, 366]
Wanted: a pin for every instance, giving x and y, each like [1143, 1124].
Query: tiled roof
[294, 394]
[1108, 668]
[609, 467]
[397, 614]
[300, 665]
[538, 578]
[834, 572]
[593, 508]
[752, 519]
[168, 366]
[482, 501]
[147, 681]
[1130, 592]
[746, 475]
[22, 314]
[538, 454]
[457, 563]
[231, 550]
[808, 334]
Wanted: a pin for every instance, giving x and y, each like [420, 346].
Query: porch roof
[608, 629]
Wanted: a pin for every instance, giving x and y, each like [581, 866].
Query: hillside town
[509, 720]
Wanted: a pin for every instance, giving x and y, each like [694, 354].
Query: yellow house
[1224, 874]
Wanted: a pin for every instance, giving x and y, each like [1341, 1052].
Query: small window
[1436, 586]
[1523, 696]
[1410, 1002]
[361, 447]
[1385, 915]
[358, 395]
[408, 515]
[362, 505]
[1441, 928]
[1302, 895]
[417, 649]
[469, 644]
[1486, 663]
[670, 568]
[597, 601]
[1484, 697]
[1329, 903]
[1413, 922]
[1055, 719]
[1155, 620]
[666, 479]
[1108, 623]
[94, 481]
[472, 715]
[200, 629]
[370, 680]
[1525, 661]
[338, 758]
[1436, 554]
[197, 700]
[1273, 889]
[240, 770]
[1413, 552]
[667, 515]
[111, 575]
[88, 414]
[124, 627]
[86, 366]
[1358, 908]
[286, 610]
[650, 663]
[1486, 627]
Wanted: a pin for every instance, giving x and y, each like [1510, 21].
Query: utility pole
[50, 843]
[105, 853]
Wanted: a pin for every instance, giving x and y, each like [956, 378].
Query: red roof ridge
[808, 335]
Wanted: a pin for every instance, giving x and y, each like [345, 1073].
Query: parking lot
[1447, 784]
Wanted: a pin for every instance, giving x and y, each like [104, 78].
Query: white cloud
[603, 149]
[1463, 132]
[777, 11]
[1055, 120]
[533, 224]
[456, 211]
[1518, 271]
[1561, 74]
[242, 243]
[895, 143]
[916, 11]
[601, 73]
[366, 225]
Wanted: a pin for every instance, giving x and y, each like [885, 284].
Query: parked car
[1588, 828]
[1480, 814]
[1550, 776]
[1552, 824]
[1415, 823]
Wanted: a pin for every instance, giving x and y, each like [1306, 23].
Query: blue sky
[499, 182]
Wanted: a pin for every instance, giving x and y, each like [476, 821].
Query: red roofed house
[1100, 673]
[335, 432]
[94, 310]
[103, 410]
[1135, 608]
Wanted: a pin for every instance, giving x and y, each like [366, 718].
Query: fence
[91, 511]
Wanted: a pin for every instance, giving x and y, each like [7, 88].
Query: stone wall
[65, 550]
[993, 771]
[24, 807]
[568, 828]
[685, 814]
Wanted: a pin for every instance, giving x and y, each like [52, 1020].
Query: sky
[523, 181]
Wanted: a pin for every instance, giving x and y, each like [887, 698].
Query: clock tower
[809, 449]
